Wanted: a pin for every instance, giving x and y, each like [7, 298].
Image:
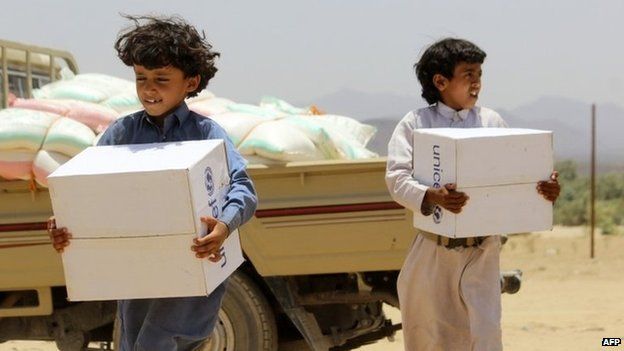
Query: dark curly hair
[441, 58]
[156, 42]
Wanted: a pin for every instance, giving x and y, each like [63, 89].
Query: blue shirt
[182, 323]
[183, 125]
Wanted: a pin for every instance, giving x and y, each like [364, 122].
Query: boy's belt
[450, 243]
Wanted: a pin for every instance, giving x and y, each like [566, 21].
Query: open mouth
[474, 94]
[152, 101]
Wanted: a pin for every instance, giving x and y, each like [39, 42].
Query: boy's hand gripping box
[133, 211]
[498, 168]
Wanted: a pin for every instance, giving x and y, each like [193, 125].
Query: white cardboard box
[133, 211]
[498, 168]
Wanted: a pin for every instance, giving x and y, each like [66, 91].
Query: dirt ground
[568, 302]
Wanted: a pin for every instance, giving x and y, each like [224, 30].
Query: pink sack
[53, 106]
[16, 164]
[97, 117]
[210, 107]
[11, 99]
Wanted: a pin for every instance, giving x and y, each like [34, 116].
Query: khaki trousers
[450, 298]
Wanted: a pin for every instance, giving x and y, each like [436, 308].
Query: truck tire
[246, 321]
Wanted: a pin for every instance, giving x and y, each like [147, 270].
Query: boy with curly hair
[449, 289]
[171, 62]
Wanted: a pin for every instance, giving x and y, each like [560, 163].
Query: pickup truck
[322, 252]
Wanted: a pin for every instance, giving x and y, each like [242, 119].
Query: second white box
[498, 168]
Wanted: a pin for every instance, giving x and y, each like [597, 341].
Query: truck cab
[26, 67]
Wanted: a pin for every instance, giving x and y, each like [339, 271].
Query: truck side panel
[26, 257]
[326, 218]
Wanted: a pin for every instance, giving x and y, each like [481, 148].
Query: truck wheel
[246, 321]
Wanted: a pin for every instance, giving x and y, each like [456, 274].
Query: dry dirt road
[568, 302]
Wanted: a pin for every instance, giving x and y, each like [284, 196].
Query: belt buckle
[457, 242]
[470, 241]
[448, 242]
[451, 243]
[474, 241]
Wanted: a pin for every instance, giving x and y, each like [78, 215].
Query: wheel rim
[222, 338]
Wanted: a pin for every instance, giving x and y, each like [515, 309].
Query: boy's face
[461, 91]
[161, 90]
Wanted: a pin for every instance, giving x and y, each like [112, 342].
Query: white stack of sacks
[112, 92]
[276, 131]
[39, 134]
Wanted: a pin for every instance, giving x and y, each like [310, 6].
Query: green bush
[572, 207]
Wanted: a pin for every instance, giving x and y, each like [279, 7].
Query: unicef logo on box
[208, 181]
[437, 214]
[210, 188]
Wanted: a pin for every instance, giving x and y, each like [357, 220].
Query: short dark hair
[441, 58]
[156, 42]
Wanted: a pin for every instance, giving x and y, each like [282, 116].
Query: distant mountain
[385, 127]
[569, 119]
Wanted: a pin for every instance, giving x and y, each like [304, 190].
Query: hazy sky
[301, 50]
